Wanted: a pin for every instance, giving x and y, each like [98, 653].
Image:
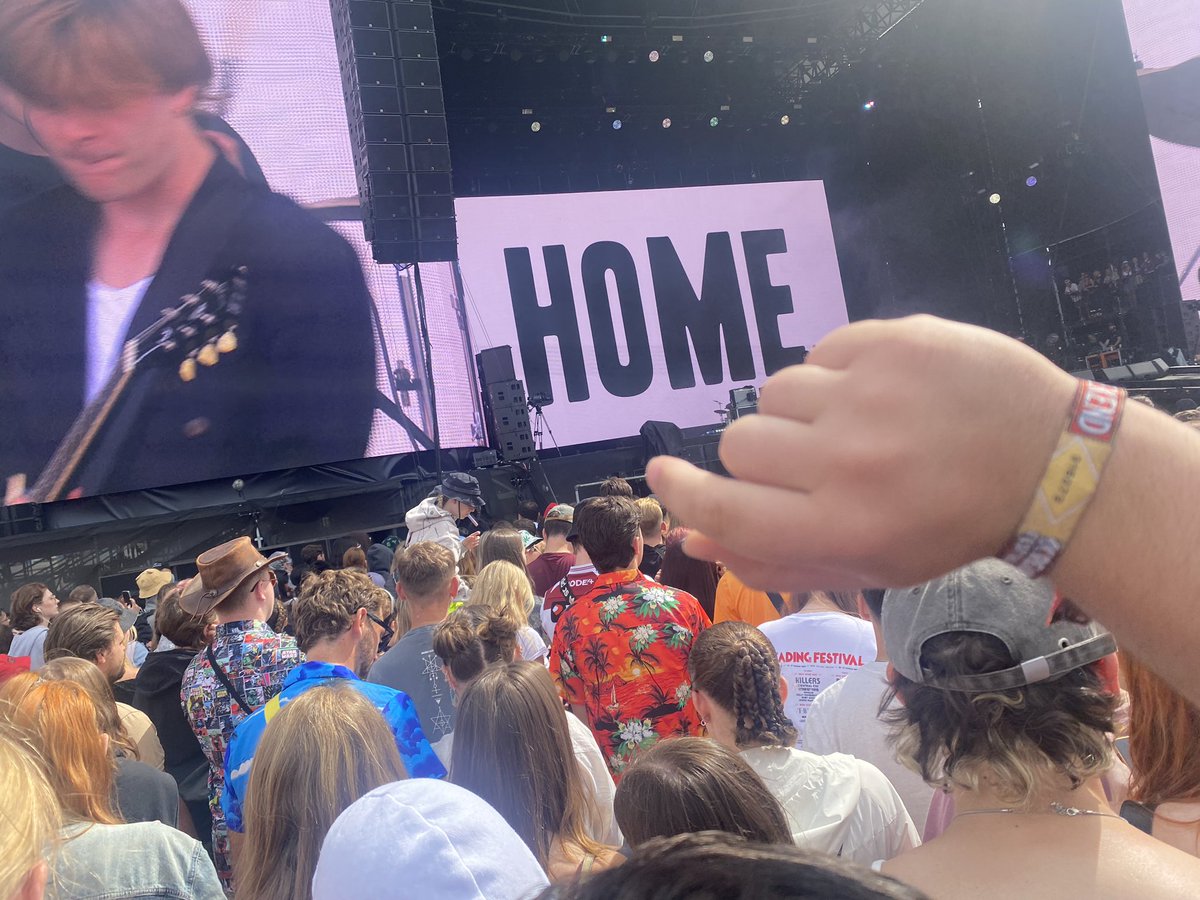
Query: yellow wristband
[1070, 480]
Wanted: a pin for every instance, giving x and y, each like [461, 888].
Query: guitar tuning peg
[187, 370]
[208, 355]
[227, 342]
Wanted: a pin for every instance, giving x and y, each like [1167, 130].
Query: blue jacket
[397, 709]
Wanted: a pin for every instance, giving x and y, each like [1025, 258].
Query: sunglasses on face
[387, 631]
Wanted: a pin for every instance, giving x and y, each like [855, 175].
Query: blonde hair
[92, 680]
[505, 588]
[324, 750]
[29, 816]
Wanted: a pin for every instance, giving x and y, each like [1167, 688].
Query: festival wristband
[1070, 479]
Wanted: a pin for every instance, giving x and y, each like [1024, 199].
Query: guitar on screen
[192, 335]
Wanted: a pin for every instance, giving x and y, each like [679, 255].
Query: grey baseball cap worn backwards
[990, 597]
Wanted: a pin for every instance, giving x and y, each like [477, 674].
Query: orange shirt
[738, 603]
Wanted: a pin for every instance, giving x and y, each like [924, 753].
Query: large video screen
[1165, 36]
[346, 378]
[628, 306]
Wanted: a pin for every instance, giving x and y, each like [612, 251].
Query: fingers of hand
[769, 450]
[801, 393]
[766, 576]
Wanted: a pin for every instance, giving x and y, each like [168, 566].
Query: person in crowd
[697, 577]
[81, 593]
[845, 718]
[505, 588]
[616, 486]
[92, 633]
[436, 517]
[579, 578]
[144, 793]
[98, 855]
[476, 637]
[340, 618]
[326, 749]
[151, 585]
[653, 535]
[687, 785]
[818, 643]
[243, 667]
[32, 819]
[718, 864]
[1008, 701]
[124, 669]
[156, 694]
[557, 556]
[503, 543]
[356, 558]
[513, 748]
[620, 650]
[379, 562]
[1164, 732]
[834, 804]
[738, 602]
[456, 847]
[312, 562]
[34, 607]
[425, 579]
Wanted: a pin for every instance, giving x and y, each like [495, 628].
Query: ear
[663, 528]
[34, 885]
[450, 679]
[184, 101]
[359, 623]
[783, 688]
[864, 611]
[453, 587]
[703, 703]
[891, 677]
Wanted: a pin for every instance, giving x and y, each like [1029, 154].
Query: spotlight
[655, 56]
[714, 122]
[708, 56]
[606, 38]
[1031, 181]
[666, 123]
[616, 124]
[869, 105]
[535, 127]
[783, 120]
[994, 199]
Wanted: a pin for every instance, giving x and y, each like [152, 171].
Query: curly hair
[473, 637]
[736, 665]
[22, 604]
[328, 603]
[1026, 739]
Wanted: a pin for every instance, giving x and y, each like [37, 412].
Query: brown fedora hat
[222, 570]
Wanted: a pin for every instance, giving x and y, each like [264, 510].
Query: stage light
[708, 56]
[869, 105]
[616, 124]
[783, 120]
[654, 56]
[677, 38]
[1031, 181]
[994, 199]
[713, 122]
[527, 111]
[606, 38]
[535, 127]
[666, 123]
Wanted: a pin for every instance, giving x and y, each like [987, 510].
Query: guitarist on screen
[149, 212]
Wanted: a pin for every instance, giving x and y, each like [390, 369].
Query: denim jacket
[118, 862]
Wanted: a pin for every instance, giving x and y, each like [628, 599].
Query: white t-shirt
[844, 718]
[533, 648]
[109, 313]
[597, 782]
[815, 650]
[836, 804]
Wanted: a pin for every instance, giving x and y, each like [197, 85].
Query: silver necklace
[1056, 808]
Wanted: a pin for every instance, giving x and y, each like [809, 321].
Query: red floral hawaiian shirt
[620, 651]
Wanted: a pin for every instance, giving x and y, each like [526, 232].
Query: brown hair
[84, 631]
[92, 680]
[1164, 732]
[473, 637]
[325, 749]
[179, 626]
[424, 571]
[82, 593]
[652, 517]
[512, 748]
[61, 719]
[607, 528]
[697, 577]
[501, 543]
[57, 53]
[354, 558]
[692, 784]
[616, 486]
[25, 598]
[328, 602]
[735, 664]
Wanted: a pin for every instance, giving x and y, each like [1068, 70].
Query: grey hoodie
[429, 522]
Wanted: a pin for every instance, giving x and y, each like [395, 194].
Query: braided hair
[735, 664]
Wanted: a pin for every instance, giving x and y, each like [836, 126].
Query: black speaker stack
[505, 406]
[388, 55]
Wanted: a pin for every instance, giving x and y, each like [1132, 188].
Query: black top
[158, 685]
[123, 691]
[23, 175]
[144, 794]
[652, 558]
[305, 343]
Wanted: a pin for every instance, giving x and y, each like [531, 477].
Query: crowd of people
[550, 711]
[1099, 290]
